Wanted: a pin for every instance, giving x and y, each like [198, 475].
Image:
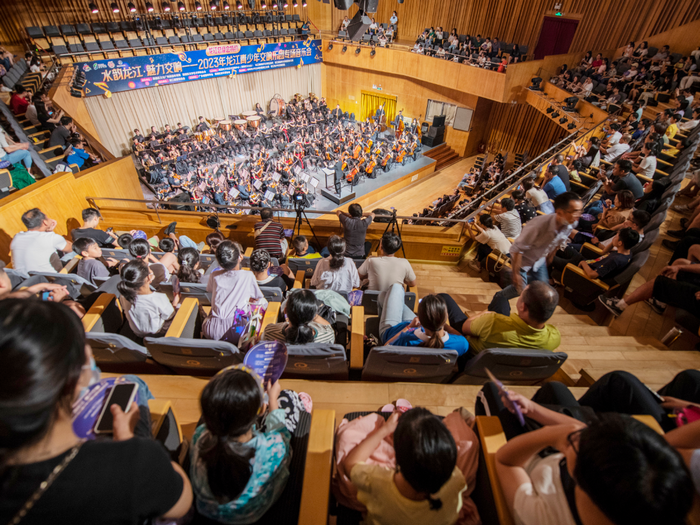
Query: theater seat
[309, 265]
[370, 298]
[316, 361]
[511, 365]
[272, 295]
[77, 286]
[409, 364]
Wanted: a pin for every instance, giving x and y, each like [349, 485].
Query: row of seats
[19, 75]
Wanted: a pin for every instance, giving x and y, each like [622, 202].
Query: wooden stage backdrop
[604, 24]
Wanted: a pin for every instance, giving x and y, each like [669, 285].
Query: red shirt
[18, 104]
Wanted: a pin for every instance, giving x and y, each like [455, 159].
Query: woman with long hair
[336, 272]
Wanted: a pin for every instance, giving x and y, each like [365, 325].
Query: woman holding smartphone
[48, 474]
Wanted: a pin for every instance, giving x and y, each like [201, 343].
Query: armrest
[159, 410]
[650, 422]
[71, 264]
[575, 269]
[271, 315]
[492, 439]
[96, 310]
[248, 251]
[45, 132]
[591, 250]
[177, 327]
[318, 469]
[46, 150]
[299, 279]
[357, 338]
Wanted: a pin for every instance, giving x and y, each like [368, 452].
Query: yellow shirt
[377, 491]
[493, 330]
[671, 131]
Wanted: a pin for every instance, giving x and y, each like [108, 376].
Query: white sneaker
[474, 265]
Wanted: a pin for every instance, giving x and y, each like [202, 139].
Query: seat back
[193, 356]
[511, 365]
[639, 259]
[76, 285]
[5, 179]
[370, 298]
[273, 295]
[316, 361]
[296, 264]
[409, 364]
[110, 349]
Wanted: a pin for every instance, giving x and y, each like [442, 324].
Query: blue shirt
[554, 187]
[77, 156]
[453, 342]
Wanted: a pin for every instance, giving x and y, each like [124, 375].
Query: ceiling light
[571, 126]
[285, 5]
[181, 6]
[563, 120]
[212, 6]
[198, 6]
[131, 7]
[149, 7]
[550, 109]
[239, 5]
[114, 7]
[93, 8]
[226, 6]
[555, 114]
[263, 4]
[166, 6]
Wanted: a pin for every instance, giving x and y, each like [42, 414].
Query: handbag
[687, 415]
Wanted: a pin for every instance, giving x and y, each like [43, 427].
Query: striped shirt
[323, 333]
[270, 238]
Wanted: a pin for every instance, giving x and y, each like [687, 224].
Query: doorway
[556, 36]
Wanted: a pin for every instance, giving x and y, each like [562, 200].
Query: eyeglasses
[574, 439]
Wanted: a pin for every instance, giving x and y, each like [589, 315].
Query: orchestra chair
[182, 353]
[515, 366]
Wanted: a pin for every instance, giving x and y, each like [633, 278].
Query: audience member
[62, 134]
[538, 197]
[387, 269]
[553, 185]
[355, 230]
[231, 289]
[141, 249]
[188, 261]
[524, 207]
[238, 469]
[14, 152]
[34, 250]
[302, 250]
[261, 266]
[92, 263]
[20, 100]
[336, 272]
[303, 324]
[489, 238]
[269, 235]
[44, 365]
[509, 219]
[91, 219]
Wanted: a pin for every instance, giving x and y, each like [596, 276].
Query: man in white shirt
[32, 250]
[509, 219]
[615, 150]
[385, 270]
[687, 126]
[615, 135]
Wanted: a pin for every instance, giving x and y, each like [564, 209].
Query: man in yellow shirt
[499, 328]
[673, 126]
[302, 249]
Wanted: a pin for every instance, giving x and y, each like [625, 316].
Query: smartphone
[45, 296]
[122, 395]
[655, 395]
[110, 229]
[508, 403]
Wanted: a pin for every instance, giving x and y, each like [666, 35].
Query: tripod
[394, 225]
[300, 218]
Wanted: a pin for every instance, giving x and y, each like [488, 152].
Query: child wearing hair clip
[412, 469]
[239, 470]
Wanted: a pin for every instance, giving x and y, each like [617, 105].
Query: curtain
[370, 102]
[115, 118]
[436, 108]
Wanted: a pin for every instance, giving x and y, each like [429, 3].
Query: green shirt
[494, 330]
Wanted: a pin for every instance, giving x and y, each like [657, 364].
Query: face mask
[94, 375]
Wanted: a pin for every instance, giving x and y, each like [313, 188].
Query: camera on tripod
[299, 199]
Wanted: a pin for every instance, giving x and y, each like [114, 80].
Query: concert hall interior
[373, 214]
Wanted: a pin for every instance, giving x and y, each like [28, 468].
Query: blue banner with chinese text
[125, 74]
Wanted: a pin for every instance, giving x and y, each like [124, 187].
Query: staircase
[443, 154]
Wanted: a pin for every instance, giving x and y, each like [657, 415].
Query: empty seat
[370, 298]
[174, 40]
[113, 27]
[52, 31]
[162, 41]
[197, 38]
[98, 29]
[121, 44]
[249, 34]
[76, 285]
[60, 50]
[76, 48]
[512, 366]
[107, 45]
[316, 361]
[218, 36]
[208, 37]
[297, 263]
[35, 32]
[135, 42]
[68, 30]
[127, 25]
[409, 364]
[272, 295]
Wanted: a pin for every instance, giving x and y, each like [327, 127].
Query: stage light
[198, 6]
[274, 4]
[263, 4]
[550, 109]
[181, 6]
[571, 100]
[226, 6]
[563, 120]
[212, 6]
[166, 7]
[345, 48]
[357, 51]
[93, 8]
[114, 7]
[303, 3]
[295, 3]
[373, 52]
[571, 126]
[131, 7]
[285, 5]
[330, 46]
[536, 81]
[149, 7]
[555, 114]
[239, 5]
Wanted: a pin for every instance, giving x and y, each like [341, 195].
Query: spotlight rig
[570, 104]
[555, 114]
[535, 84]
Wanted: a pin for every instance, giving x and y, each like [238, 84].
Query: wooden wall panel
[62, 197]
[605, 24]
[517, 128]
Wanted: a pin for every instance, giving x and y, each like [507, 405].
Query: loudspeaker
[438, 120]
[358, 25]
[343, 4]
[463, 119]
[369, 6]
[436, 130]
[424, 127]
[431, 141]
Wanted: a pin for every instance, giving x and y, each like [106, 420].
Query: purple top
[230, 290]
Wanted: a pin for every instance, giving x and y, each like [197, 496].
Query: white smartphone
[122, 394]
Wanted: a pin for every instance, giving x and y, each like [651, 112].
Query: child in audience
[260, 265]
[213, 240]
[92, 263]
[169, 259]
[302, 250]
[141, 249]
[302, 323]
[336, 272]
[149, 313]
[399, 326]
[230, 289]
[239, 471]
[412, 469]
[188, 261]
